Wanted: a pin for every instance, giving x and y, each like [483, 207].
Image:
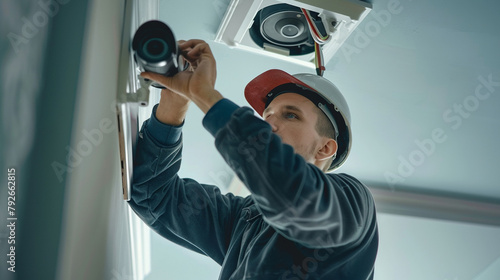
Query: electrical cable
[319, 40]
[319, 60]
[316, 34]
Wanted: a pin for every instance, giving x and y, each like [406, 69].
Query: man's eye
[290, 116]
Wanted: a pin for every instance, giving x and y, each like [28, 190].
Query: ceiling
[424, 119]
[411, 86]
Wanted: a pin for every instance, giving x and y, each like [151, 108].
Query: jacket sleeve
[190, 214]
[296, 198]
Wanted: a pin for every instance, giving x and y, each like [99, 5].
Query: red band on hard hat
[257, 89]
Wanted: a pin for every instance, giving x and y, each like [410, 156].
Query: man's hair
[325, 128]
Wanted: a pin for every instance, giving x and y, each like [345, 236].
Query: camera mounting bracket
[141, 96]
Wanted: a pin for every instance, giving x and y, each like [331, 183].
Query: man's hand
[172, 108]
[198, 82]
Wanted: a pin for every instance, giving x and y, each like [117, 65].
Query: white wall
[101, 239]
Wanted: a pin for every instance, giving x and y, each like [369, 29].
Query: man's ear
[329, 149]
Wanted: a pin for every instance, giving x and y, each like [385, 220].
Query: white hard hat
[260, 91]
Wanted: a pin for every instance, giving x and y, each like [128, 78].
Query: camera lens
[155, 49]
[290, 31]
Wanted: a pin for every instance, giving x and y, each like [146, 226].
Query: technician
[300, 221]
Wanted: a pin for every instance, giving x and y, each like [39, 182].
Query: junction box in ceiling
[246, 25]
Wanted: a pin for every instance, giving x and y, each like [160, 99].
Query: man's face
[293, 117]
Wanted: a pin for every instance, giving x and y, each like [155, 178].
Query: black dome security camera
[284, 27]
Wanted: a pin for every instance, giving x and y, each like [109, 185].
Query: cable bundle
[319, 40]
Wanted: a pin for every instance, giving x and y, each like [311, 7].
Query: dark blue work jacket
[299, 223]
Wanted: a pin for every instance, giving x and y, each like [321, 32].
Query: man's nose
[273, 121]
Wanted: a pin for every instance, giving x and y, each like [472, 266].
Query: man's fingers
[198, 50]
[163, 80]
[166, 91]
[193, 49]
[199, 53]
[190, 43]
